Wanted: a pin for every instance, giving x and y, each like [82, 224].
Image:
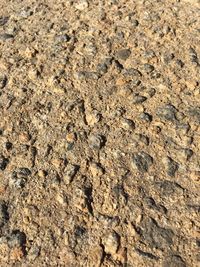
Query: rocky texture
[99, 133]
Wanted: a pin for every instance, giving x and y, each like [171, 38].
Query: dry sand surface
[99, 133]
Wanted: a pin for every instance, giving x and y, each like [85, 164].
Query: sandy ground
[99, 133]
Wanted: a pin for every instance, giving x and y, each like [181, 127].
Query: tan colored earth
[100, 133]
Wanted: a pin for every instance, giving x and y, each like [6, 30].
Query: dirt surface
[99, 133]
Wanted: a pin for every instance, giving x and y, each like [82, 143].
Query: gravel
[99, 133]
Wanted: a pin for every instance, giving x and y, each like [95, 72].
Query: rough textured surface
[99, 133]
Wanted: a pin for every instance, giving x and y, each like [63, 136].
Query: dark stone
[97, 141]
[188, 153]
[132, 72]
[3, 81]
[152, 205]
[142, 161]
[168, 57]
[79, 231]
[8, 145]
[89, 75]
[118, 65]
[135, 23]
[146, 117]
[134, 83]
[118, 191]
[193, 56]
[3, 20]
[102, 68]
[17, 239]
[20, 177]
[182, 127]
[174, 261]
[3, 162]
[4, 216]
[23, 172]
[195, 114]
[138, 99]
[155, 75]
[149, 54]
[123, 54]
[156, 236]
[172, 167]
[169, 188]
[148, 68]
[198, 242]
[6, 36]
[195, 208]
[167, 112]
[63, 38]
[146, 254]
[180, 63]
[151, 92]
[144, 139]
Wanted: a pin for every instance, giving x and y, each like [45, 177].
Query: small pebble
[146, 117]
[42, 173]
[167, 112]
[8, 145]
[171, 166]
[6, 36]
[69, 173]
[128, 124]
[96, 141]
[96, 169]
[173, 261]
[63, 38]
[93, 117]
[142, 161]
[17, 239]
[151, 92]
[194, 113]
[180, 63]
[148, 68]
[33, 252]
[149, 54]
[167, 58]
[24, 137]
[102, 67]
[135, 23]
[3, 81]
[111, 243]
[193, 56]
[88, 75]
[71, 137]
[19, 177]
[123, 54]
[138, 99]
[3, 20]
[132, 72]
[3, 162]
[4, 216]
[81, 5]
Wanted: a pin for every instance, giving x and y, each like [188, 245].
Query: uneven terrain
[100, 133]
